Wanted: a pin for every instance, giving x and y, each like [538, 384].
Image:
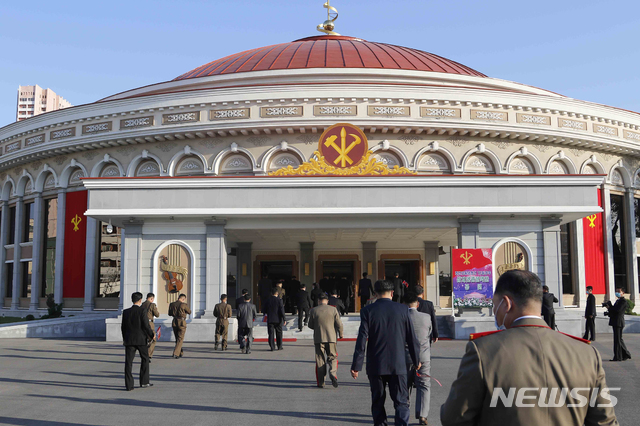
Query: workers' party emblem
[343, 145]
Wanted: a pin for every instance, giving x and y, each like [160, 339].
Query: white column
[432, 285]
[17, 253]
[130, 274]
[216, 268]
[578, 264]
[4, 236]
[630, 246]
[610, 277]
[36, 256]
[469, 233]
[91, 266]
[60, 225]
[552, 257]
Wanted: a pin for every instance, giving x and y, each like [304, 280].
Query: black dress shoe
[272, 349]
[129, 390]
[248, 352]
[175, 357]
[614, 360]
[334, 381]
[148, 385]
[280, 348]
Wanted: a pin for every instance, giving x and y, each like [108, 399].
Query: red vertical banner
[75, 242]
[594, 259]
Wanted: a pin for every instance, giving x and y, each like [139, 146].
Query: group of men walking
[396, 338]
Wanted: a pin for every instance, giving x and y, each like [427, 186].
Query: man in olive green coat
[527, 374]
[222, 312]
[179, 311]
[325, 322]
[152, 311]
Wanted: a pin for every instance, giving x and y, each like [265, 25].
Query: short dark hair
[334, 292]
[182, 295]
[410, 297]
[418, 290]
[364, 275]
[247, 297]
[245, 291]
[383, 286]
[315, 284]
[223, 296]
[303, 286]
[621, 289]
[397, 274]
[545, 288]
[323, 296]
[589, 288]
[293, 277]
[274, 291]
[150, 295]
[136, 297]
[523, 287]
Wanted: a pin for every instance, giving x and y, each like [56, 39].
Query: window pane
[29, 221]
[49, 247]
[618, 238]
[110, 256]
[9, 278]
[26, 279]
[12, 226]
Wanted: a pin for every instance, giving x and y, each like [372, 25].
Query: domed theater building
[328, 156]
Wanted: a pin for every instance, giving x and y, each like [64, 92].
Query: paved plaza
[71, 382]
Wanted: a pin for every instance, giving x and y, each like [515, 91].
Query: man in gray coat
[421, 380]
[325, 322]
[247, 314]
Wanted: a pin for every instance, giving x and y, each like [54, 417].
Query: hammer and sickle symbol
[343, 150]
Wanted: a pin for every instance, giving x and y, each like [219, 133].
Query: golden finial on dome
[328, 26]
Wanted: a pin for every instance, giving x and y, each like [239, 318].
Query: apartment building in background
[34, 100]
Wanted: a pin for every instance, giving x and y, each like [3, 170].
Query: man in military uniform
[222, 312]
[152, 311]
[179, 311]
[515, 376]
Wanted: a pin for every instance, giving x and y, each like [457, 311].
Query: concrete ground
[70, 382]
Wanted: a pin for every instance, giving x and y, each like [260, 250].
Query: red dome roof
[330, 52]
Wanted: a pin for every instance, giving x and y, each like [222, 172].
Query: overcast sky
[85, 51]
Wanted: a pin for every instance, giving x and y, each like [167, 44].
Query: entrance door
[277, 270]
[340, 275]
[408, 270]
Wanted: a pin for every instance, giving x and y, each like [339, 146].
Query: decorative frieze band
[181, 117]
[335, 110]
[62, 133]
[271, 112]
[478, 114]
[34, 140]
[90, 129]
[533, 119]
[135, 123]
[12, 147]
[565, 123]
[632, 136]
[440, 112]
[390, 111]
[227, 114]
[605, 130]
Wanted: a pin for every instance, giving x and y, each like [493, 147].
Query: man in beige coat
[325, 322]
[527, 373]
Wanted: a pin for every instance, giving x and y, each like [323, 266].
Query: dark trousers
[363, 301]
[590, 329]
[245, 337]
[399, 393]
[304, 310]
[129, 354]
[620, 352]
[277, 328]
[550, 319]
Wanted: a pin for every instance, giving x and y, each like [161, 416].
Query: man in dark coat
[292, 289]
[616, 320]
[264, 289]
[590, 315]
[385, 331]
[398, 288]
[548, 313]
[303, 305]
[275, 319]
[426, 307]
[246, 314]
[337, 303]
[135, 334]
[240, 300]
[316, 291]
[365, 289]
[324, 284]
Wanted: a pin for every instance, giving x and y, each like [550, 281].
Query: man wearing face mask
[526, 357]
[616, 320]
[590, 315]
